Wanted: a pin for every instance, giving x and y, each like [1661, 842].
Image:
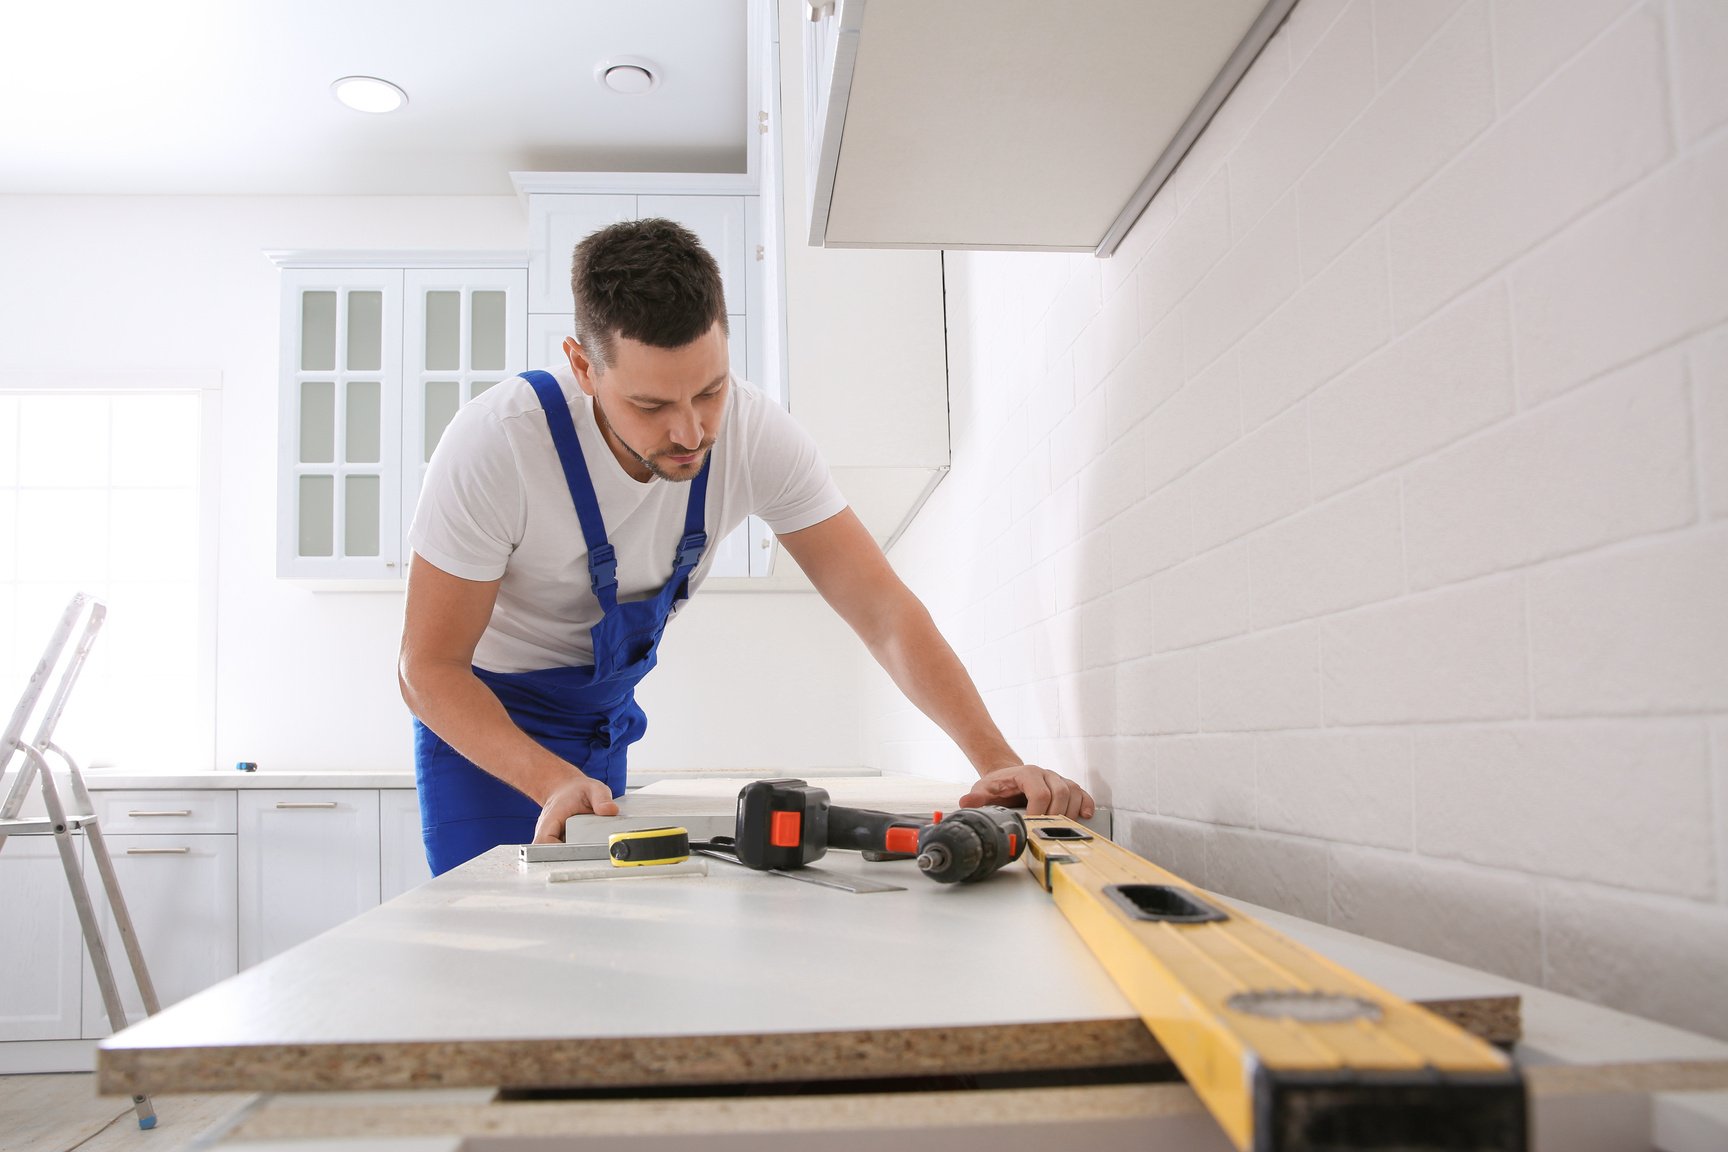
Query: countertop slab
[117, 780]
[494, 975]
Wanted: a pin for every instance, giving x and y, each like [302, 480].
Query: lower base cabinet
[215, 881]
[308, 862]
[41, 945]
[180, 893]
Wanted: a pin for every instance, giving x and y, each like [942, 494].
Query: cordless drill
[790, 823]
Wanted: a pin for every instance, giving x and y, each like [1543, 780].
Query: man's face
[659, 408]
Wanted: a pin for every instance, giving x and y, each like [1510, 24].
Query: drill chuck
[968, 845]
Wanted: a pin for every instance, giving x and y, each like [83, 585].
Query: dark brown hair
[650, 280]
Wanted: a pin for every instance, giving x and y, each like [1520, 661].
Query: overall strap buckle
[602, 568]
[690, 549]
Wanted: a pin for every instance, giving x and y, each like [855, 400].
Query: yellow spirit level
[1287, 1050]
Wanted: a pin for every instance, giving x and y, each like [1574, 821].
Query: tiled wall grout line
[1529, 647]
[1695, 417]
[1665, 13]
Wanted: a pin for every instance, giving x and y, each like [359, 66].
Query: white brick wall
[1358, 531]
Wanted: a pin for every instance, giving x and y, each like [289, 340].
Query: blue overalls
[585, 715]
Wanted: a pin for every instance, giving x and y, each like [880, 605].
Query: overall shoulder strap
[602, 561]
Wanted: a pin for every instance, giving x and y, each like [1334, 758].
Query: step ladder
[60, 822]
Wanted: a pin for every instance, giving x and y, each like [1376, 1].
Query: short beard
[647, 462]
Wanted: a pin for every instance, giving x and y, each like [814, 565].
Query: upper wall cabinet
[564, 208]
[375, 362]
[1015, 124]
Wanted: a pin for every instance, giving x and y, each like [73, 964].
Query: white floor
[59, 1112]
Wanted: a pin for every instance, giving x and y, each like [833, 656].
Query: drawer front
[151, 813]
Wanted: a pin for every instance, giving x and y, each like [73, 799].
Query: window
[107, 487]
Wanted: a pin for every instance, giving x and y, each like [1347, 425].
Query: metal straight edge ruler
[1289, 1051]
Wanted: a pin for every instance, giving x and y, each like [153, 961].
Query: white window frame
[207, 385]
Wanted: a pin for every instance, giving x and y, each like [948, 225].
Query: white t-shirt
[495, 504]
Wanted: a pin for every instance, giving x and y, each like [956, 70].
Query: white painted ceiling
[233, 96]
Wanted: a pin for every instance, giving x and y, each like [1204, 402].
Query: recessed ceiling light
[628, 75]
[368, 94]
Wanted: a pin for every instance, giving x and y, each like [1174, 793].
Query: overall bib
[585, 715]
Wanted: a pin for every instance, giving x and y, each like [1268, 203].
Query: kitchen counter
[689, 997]
[493, 974]
[119, 779]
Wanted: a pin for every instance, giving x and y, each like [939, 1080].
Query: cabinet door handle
[318, 804]
[157, 851]
[174, 812]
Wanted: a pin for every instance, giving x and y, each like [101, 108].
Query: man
[567, 514]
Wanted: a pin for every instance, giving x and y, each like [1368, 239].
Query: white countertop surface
[120, 779]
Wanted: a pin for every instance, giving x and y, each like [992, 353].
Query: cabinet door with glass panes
[376, 361]
[463, 331]
[340, 434]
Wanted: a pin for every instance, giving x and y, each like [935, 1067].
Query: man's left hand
[1045, 792]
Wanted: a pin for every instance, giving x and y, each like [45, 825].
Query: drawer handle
[175, 812]
[157, 851]
[318, 804]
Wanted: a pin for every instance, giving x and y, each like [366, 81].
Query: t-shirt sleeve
[471, 513]
[790, 485]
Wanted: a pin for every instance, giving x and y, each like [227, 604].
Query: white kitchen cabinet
[340, 483]
[308, 861]
[180, 891]
[463, 331]
[174, 854]
[401, 850]
[556, 222]
[718, 222]
[375, 362]
[181, 866]
[168, 812]
[1015, 124]
[40, 946]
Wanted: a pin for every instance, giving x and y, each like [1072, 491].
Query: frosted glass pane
[153, 534]
[365, 331]
[479, 386]
[318, 422]
[443, 331]
[442, 399]
[365, 418]
[8, 440]
[63, 440]
[62, 534]
[156, 441]
[360, 525]
[486, 349]
[317, 515]
[318, 331]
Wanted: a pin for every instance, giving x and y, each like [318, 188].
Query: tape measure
[645, 846]
[1287, 1050]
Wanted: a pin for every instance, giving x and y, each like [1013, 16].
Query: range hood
[1014, 124]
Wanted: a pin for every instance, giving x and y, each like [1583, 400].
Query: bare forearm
[465, 714]
[926, 670]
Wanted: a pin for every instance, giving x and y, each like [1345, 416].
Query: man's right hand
[580, 795]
